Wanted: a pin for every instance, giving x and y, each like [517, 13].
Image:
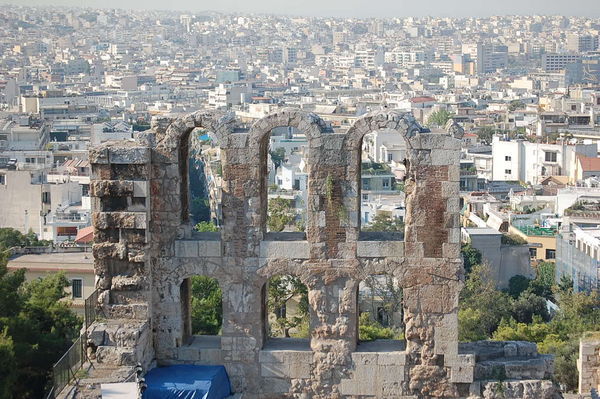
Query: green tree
[543, 283]
[470, 325]
[515, 105]
[485, 134]
[206, 306]
[280, 214]
[280, 290]
[204, 227]
[517, 284]
[277, 156]
[529, 305]
[8, 365]
[471, 257]
[439, 118]
[10, 237]
[487, 304]
[40, 325]
[385, 222]
[370, 330]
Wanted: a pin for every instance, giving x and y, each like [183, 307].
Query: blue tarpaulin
[187, 382]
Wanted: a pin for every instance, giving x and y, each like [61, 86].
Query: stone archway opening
[202, 311]
[286, 175]
[205, 181]
[286, 311]
[383, 169]
[381, 314]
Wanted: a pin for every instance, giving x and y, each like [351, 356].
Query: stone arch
[280, 268]
[307, 122]
[402, 122]
[174, 145]
[310, 124]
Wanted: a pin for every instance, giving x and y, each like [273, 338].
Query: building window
[365, 197]
[366, 184]
[2, 180]
[389, 157]
[550, 254]
[85, 190]
[507, 171]
[386, 183]
[550, 156]
[77, 288]
[29, 160]
[533, 253]
[507, 158]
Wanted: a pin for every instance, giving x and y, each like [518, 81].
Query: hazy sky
[354, 8]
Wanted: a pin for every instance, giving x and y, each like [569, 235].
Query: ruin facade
[146, 250]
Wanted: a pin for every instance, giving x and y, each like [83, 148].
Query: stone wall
[588, 365]
[146, 250]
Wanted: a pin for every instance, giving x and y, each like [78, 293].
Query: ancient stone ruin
[145, 252]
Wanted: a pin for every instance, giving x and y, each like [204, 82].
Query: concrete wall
[21, 202]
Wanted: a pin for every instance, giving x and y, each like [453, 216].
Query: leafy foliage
[370, 330]
[385, 222]
[277, 156]
[517, 285]
[439, 118]
[207, 306]
[521, 314]
[471, 257]
[37, 327]
[204, 227]
[280, 291]
[280, 214]
[10, 237]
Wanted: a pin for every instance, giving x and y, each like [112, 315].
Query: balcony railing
[65, 369]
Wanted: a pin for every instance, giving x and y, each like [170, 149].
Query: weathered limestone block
[524, 389]
[129, 155]
[122, 220]
[111, 188]
[140, 191]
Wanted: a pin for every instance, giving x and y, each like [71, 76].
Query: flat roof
[74, 261]
[481, 231]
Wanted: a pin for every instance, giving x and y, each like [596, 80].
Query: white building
[519, 160]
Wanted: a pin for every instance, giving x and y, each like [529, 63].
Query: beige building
[77, 266]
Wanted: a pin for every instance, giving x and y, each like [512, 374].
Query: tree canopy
[439, 118]
[36, 327]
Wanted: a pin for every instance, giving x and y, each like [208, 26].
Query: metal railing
[64, 371]
[66, 368]
[91, 309]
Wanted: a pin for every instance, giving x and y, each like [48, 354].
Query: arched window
[286, 310]
[205, 181]
[381, 185]
[286, 180]
[202, 311]
[381, 317]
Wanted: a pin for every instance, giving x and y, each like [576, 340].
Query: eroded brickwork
[145, 250]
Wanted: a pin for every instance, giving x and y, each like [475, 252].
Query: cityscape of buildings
[525, 90]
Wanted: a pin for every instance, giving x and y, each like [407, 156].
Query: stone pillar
[120, 193]
[588, 365]
[432, 279]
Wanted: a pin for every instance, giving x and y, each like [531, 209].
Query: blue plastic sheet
[187, 382]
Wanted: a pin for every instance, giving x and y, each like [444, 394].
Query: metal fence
[68, 365]
[91, 309]
[66, 368]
